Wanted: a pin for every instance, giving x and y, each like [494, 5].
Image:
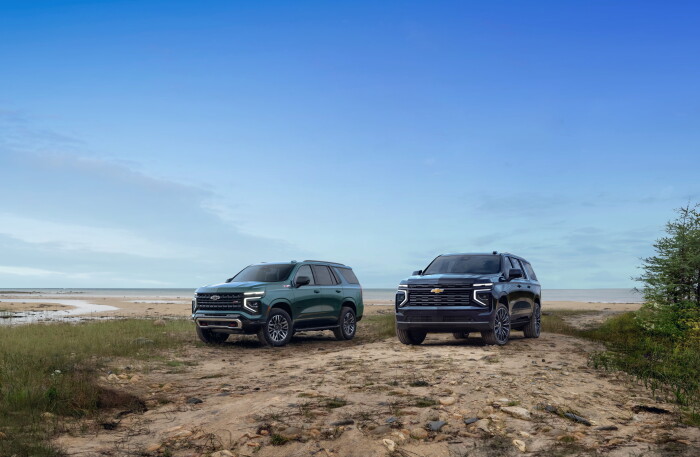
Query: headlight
[482, 297]
[251, 300]
[401, 298]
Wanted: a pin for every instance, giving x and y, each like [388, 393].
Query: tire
[500, 327]
[277, 330]
[410, 336]
[209, 337]
[460, 335]
[532, 329]
[348, 324]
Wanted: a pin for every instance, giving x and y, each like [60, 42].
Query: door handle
[316, 291]
[337, 290]
[528, 287]
[519, 286]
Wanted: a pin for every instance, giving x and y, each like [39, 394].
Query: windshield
[465, 264]
[264, 273]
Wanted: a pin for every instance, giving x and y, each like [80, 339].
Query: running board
[315, 329]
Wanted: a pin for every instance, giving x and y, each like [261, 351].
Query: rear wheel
[532, 329]
[209, 337]
[499, 332]
[461, 335]
[411, 336]
[347, 324]
[277, 330]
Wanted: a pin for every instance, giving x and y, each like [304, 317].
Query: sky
[172, 143]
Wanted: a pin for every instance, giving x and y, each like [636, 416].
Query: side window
[305, 270]
[323, 275]
[530, 272]
[516, 263]
[334, 275]
[349, 275]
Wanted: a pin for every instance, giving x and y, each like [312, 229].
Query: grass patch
[424, 402]
[52, 368]
[336, 402]
[378, 326]
[664, 366]
[419, 383]
[278, 440]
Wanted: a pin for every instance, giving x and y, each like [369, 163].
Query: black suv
[462, 293]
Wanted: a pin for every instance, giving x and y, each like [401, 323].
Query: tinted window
[305, 270]
[530, 271]
[516, 264]
[465, 264]
[264, 273]
[349, 275]
[323, 275]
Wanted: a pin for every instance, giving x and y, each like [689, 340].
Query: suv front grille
[422, 295]
[226, 302]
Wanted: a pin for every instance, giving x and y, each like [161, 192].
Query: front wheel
[532, 329]
[499, 332]
[277, 330]
[348, 325]
[410, 336]
[209, 337]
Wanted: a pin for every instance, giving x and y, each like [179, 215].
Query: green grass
[52, 369]
[666, 367]
[378, 326]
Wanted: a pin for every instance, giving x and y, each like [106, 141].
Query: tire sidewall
[493, 324]
[344, 312]
[290, 331]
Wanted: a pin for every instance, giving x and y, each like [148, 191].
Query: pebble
[435, 426]
[223, 453]
[381, 430]
[291, 433]
[470, 420]
[154, 447]
[194, 401]
[419, 433]
[606, 428]
[483, 425]
[391, 445]
[576, 418]
[520, 445]
[517, 412]
[447, 401]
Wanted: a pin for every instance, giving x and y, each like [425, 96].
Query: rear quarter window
[530, 272]
[348, 275]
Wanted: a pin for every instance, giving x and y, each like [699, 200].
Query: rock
[649, 409]
[223, 453]
[315, 433]
[391, 420]
[419, 433]
[135, 378]
[524, 434]
[381, 430]
[391, 445]
[470, 420]
[483, 425]
[2, 436]
[447, 401]
[167, 387]
[291, 433]
[154, 447]
[520, 445]
[435, 426]
[159, 323]
[113, 378]
[47, 415]
[606, 428]
[342, 422]
[517, 412]
[194, 401]
[577, 418]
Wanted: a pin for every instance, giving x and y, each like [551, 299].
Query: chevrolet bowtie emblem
[437, 291]
[214, 297]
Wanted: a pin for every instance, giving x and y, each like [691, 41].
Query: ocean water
[369, 295]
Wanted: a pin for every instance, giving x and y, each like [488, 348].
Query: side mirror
[515, 273]
[302, 281]
[417, 272]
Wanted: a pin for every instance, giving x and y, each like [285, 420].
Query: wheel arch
[282, 304]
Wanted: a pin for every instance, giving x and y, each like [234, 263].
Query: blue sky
[171, 143]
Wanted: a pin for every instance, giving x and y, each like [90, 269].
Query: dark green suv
[275, 300]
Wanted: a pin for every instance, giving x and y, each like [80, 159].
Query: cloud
[72, 237]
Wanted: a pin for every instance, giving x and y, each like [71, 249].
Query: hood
[447, 279]
[231, 287]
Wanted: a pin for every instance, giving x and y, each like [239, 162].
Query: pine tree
[671, 278]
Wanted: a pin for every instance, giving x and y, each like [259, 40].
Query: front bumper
[444, 318]
[236, 323]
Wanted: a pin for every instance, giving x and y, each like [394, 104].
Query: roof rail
[325, 261]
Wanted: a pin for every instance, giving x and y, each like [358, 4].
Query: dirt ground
[323, 397]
